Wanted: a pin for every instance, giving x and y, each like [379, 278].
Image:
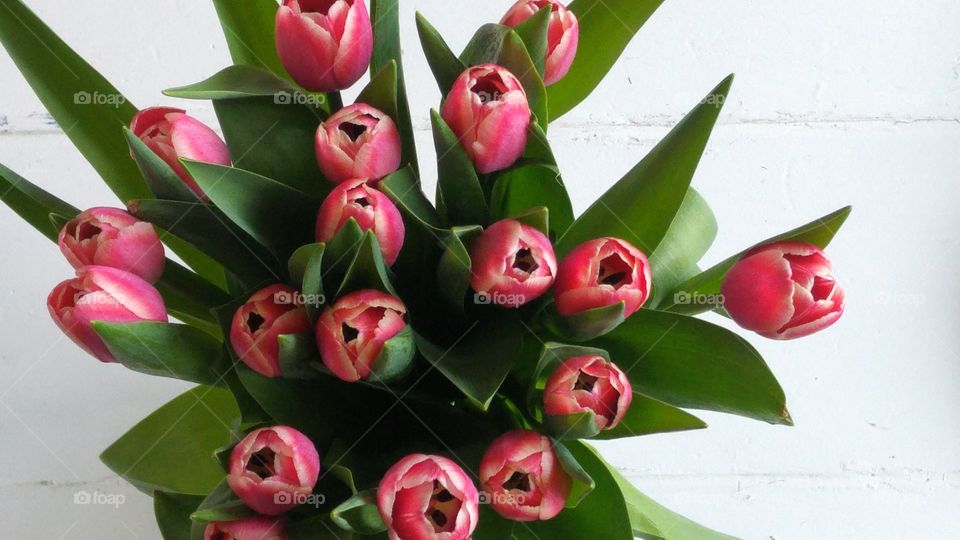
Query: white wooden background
[835, 103]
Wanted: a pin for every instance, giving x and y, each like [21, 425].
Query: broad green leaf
[460, 198]
[404, 190]
[165, 350]
[819, 232]
[172, 449]
[385, 15]
[537, 217]
[589, 324]
[690, 236]
[244, 81]
[318, 528]
[299, 355]
[533, 32]
[250, 30]
[339, 254]
[395, 359]
[160, 177]
[454, 269]
[33, 204]
[306, 274]
[444, 64]
[173, 514]
[221, 505]
[642, 206]
[254, 203]
[606, 27]
[530, 186]
[90, 110]
[359, 514]
[367, 269]
[693, 364]
[648, 416]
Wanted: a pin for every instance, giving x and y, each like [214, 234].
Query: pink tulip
[783, 291]
[428, 498]
[101, 293]
[111, 237]
[513, 264]
[372, 210]
[563, 34]
[488, 111]
[326, 45]
[351, 333]
[274, 469]
[358, 142]
[585, 384]
[601, 273]
[172, 135]
[268, 314]
[255, 528]
[522, 477]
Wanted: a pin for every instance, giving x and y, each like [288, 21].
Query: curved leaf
[385, 15]
[173, 511]
[359, 514]
[530, 186]
[243, 81]
[690, 236]
[444, 64]
[33, 204]
[250, 30]
[454, 269]
[460, 197]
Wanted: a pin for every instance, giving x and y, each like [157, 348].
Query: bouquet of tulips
[369, 361]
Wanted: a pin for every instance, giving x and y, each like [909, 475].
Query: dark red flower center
[615, 272]
[518, 481]
[443, 508]
[262, 463]
[83, 230]
[489, 87]
[354, 131]
[349, 333]
[318, 6]
[524, 261]
[585, 382]
[254, 321]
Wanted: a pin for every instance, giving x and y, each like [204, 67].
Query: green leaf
[819, 232]
[648, 416]
[173, 514]
[33, 204]
[537, 217]
[643, 205]
[385, 15]
[533, 32]
[250, 30]
[367, 269]
[690, 236]
[404, 190]
[359, 514]
[90, 110]
[583, 483]
[162, 180]
[454, 269]
[298, 355]
[254, 202]
[189, 297]
[244, 81]
[531, 186]
[691, 363]
[172, 449]
[165, 350]
[460, 198]
[306, 274]
[221, 505]
[395, 359]
[340, 253]
[606, 27]
[444, 64]
[317, 528]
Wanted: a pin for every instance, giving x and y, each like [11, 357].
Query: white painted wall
[835, 103]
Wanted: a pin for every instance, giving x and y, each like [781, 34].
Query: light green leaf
[243, 81]
[690, 236]
[250, 30]
[460, 198]
[359, 514]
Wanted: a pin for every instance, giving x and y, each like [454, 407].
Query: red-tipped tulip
[268, 314]
[172, 135]
[101, 293]
[326, 45]
[111, 237]
[358, 142]
[428, 498]
[255, 528]
[487, 109]
[372, 210]
[274, 469]
[601, 273]
[584, 384]
[351, 333]
[783, 291]
[563, 34]
[513, 264]
[522, 477]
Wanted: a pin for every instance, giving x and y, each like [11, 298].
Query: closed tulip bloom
[111, 237]
[523, 478]
[487, 109]
[371, 209]
[255, 528]
[351, 333]
[358, 142]
[273, 469]
[428, 498]
[513, 263]
[325, 45]
[270, 313]
[601, 273]
[589, 384]
[563, 34]
[101, 293]
[172, 135]
[783, 291]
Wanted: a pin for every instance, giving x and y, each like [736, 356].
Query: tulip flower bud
[522, 477]
[783, 291]
[601, 273]
[268, 314]
[255, 528]
[513, 264]
[372, 210]
[111, 237]
[273, 469]
[172, 135]
[563, 34]
[325, 45]
[585, 384]
[428, 498]
[351, 333]
[487, 109]
[358, 142]
[101, 293]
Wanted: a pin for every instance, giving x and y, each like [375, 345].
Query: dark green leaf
[189, 297]
[339, 254]
[160, 177]
[454, 269]
[444, 64]
[404, 190]
[530, 186]
[306, 274]
[583, 483]
[250, 30]
[243, 81]
[298, 356]
[317, 528]
[367, 269]
[385, 15]
[460, 198]
[690, 236]
[359, 514]
[33, 204]
[533, 32]
[395, 359]
[537, 217]
[221, 505]
[589, 324]
[173, 514]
